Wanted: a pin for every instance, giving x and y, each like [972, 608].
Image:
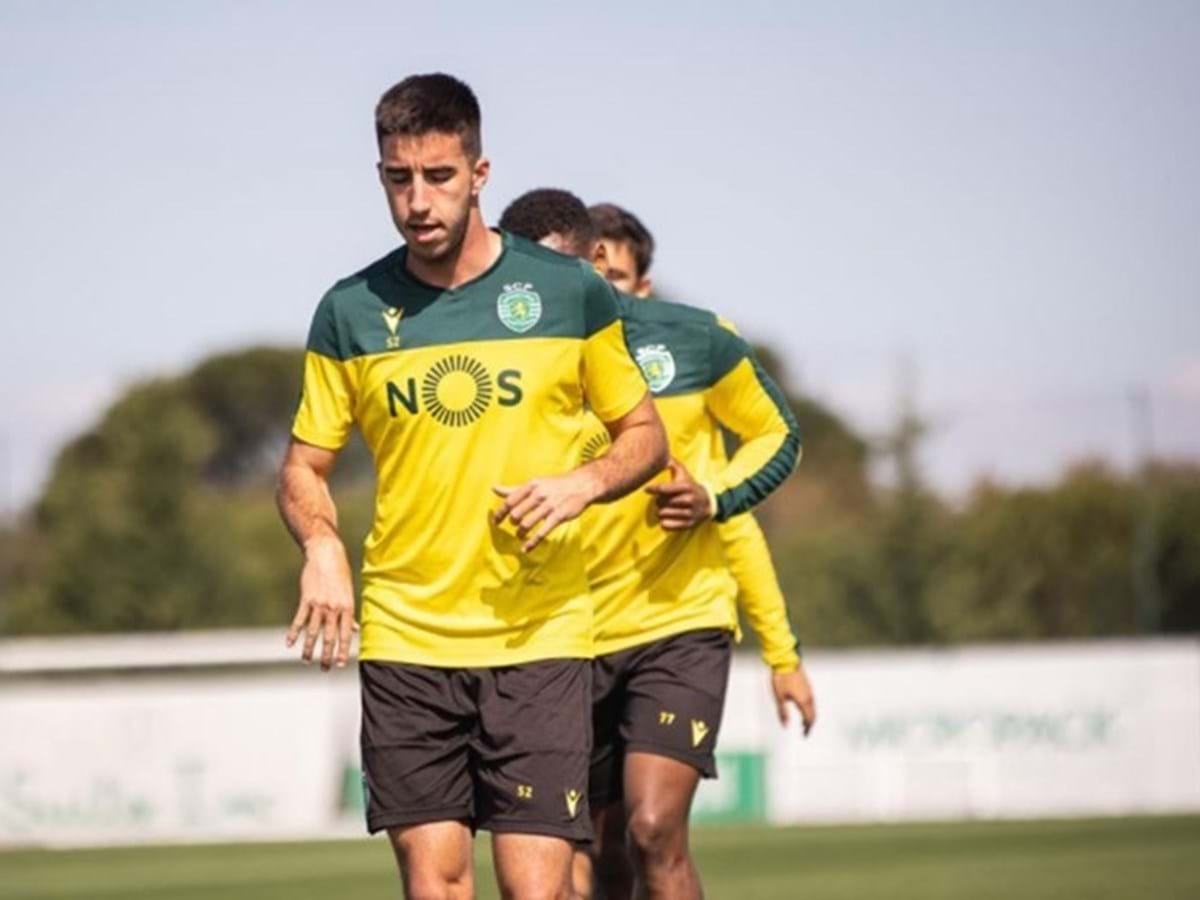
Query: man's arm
[744, 399]
[638, 451]
[762, 601]
[326, 605]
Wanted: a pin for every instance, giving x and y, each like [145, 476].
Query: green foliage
[1050, 562]
[162, 516]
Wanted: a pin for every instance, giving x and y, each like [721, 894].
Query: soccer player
[663, 590]
[465, 358]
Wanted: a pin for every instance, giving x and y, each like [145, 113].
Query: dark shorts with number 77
[665, 697]
[503, 749]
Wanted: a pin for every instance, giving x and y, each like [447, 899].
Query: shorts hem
[574, 834]
[373, 653]
[706, 764]
[603, 648]
[380, 821]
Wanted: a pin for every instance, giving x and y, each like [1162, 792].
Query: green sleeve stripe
[754, 489]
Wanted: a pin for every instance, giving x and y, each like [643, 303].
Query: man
[628, 247]
[663, 592]
[465, 358]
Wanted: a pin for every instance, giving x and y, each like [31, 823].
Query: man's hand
[545, 503]
[326, 603]
[793, 687]
[682, 502]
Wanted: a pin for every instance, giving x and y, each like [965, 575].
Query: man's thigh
[532, 749]
[416, 727]
[435, 859]
[532, 865]
[674, 697]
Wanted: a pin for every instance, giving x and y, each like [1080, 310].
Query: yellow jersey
[456, 391]
[648, 583]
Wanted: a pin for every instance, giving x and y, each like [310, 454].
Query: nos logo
[456, 391]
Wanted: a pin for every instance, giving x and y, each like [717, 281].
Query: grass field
[1064, 860]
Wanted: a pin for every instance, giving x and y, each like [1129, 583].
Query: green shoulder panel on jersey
[601, 303]
[671, 342]
[530, 292]
[328, 335]
[726, 349]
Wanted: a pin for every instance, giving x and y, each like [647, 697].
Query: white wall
[1084, 729]
[218, 750]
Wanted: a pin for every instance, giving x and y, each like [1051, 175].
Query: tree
[162, 515]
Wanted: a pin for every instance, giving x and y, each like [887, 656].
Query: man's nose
[419, 195]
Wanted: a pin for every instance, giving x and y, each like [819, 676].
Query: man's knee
[654, 831]
[536, 892]
[431, 886]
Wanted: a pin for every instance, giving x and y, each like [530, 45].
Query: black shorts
[665, 697]
[503, 749]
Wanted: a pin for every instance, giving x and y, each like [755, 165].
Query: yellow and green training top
[648, 583]
[456, 391]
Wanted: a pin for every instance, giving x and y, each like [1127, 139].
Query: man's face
[622, 268]
[431, 185]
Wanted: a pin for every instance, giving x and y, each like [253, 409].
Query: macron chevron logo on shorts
[572, 798]
[699, 732]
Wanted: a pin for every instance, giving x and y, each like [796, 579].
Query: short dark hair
[423, 103]
[545, 211]
[616, 224]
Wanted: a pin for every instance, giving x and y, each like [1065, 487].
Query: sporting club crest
[658, 365]
[519, 307]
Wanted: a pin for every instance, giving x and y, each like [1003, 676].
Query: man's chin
[432, 252]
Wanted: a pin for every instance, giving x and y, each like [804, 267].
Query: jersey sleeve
[612, 381]
[744, 399]
[327, 398]
[759, 595]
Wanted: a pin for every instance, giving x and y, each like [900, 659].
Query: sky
[1002, 199]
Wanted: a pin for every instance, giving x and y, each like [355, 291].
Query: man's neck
[480, 249]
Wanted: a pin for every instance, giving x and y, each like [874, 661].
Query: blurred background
[965, 237]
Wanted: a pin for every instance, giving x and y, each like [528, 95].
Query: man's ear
[644, 287]
[600, 259]
[479, 175]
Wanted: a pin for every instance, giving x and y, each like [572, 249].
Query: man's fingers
[312, 633]
[675, 467]
[676, 518]
[518, 513]
[349, 626]
[808, 709]
[512, 498]
[293, 631]
[329, 641]
[547, 526]
[781, 704]
[531, 518]
[668, 489]
[675, 524]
